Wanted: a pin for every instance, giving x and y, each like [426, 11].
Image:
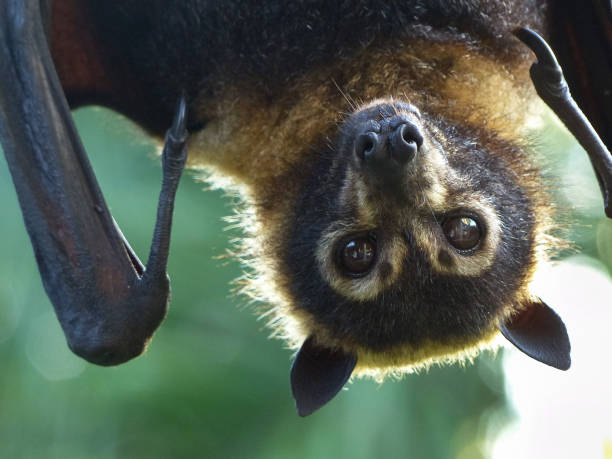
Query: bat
[394, 216]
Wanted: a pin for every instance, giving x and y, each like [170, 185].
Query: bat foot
[546, 73]
[174, 155]
[548, 80]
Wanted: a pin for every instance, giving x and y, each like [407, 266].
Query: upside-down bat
[394, 213]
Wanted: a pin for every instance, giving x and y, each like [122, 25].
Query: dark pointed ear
[540, 333]
[318, 374]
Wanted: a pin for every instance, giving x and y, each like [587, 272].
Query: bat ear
[540, 333]
[318, 374]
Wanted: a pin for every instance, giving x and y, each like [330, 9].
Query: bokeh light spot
[48, 352]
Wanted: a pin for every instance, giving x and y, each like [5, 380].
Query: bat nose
[406, 139]
[393, 147]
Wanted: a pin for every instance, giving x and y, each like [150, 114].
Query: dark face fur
[376, 257]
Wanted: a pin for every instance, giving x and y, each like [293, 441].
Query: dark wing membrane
[581, 36]
[108, 304]
[80, 59]
[96, 67]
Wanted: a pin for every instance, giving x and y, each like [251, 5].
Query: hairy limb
[108, 304]
[550, 85]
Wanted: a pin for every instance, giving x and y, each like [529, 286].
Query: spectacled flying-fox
[393, 210]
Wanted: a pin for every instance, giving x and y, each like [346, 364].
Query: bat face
[412, 239]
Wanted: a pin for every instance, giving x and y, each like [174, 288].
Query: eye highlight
[462, 232]
[356, 255]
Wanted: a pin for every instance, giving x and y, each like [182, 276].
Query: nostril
[411, 133]
[405, 142]
[365, 145]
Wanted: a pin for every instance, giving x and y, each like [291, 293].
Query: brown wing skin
[107, 302]
[93, 69]
[581, 36]
[77, 54]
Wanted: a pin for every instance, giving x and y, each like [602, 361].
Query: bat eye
[462, 232]
[356, 255]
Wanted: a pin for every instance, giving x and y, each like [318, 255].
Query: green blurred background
[211, 383]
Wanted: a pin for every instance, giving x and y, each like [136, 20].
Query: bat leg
[174, 157]
[108, 304]
[547, 77]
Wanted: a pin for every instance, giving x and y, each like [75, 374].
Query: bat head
[413, 242]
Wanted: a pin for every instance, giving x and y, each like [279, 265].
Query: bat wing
[107, 302]
[581, 35]
[94, 68]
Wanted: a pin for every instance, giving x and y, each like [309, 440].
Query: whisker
[351, 102]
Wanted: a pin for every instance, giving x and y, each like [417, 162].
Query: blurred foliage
[211, 384]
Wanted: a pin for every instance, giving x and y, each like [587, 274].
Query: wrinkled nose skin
[386, 149]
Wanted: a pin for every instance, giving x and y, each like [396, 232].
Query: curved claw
[178, 130]
[548, 80]
[546, 74]
[174, 155]
[107, 304]
[538, 45]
